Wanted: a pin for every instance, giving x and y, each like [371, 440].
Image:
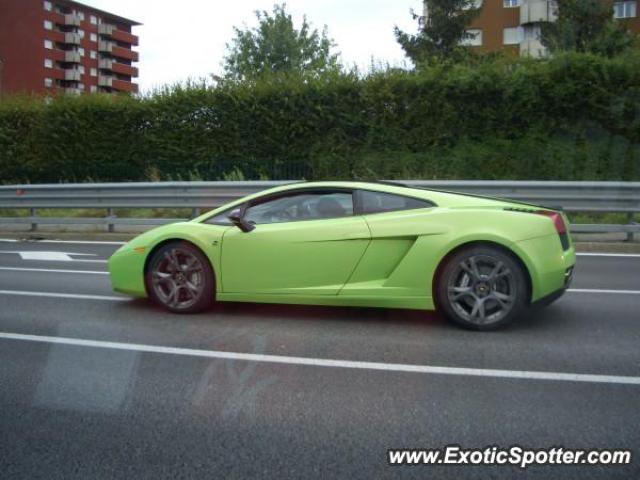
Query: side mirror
[238, 221]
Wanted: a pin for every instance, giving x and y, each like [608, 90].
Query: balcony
[106, 29]
[72, 20]
[125, 37]
[534, 11]
[532, 48]
[72, 75]
[105, 46]
[105, 64]
[124, 86]
[56, 73]
[55, 36]
[72, 38]
[105, 81]
[119, 35]
[121, 68]
[124, 53]
[55, 17]
[124, 69]
[72, 57]
[57, 55]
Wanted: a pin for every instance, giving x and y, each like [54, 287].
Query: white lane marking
[48, 256]
[88, 261]
[322, 362]
[621, 292]
[64, 295]
[595, 254]
[78, 242]
[18, 269]
[55, 256]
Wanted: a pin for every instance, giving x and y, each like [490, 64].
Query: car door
[305, 242]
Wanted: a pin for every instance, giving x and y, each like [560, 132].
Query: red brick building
[515, 25]
[62, 46]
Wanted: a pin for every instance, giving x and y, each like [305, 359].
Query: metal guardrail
[597, 197]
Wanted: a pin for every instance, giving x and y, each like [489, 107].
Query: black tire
[486, 297]
[179, 278]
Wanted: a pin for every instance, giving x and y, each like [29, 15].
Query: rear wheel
[482, 288]
[180, 278]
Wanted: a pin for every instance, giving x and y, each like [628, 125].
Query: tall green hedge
[574, 117]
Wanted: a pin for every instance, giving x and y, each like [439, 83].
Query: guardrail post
[630, 221]
[111, 226]
[33, 212]
[195, 212]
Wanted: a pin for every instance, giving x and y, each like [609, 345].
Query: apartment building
[514, 25]
[62, 46]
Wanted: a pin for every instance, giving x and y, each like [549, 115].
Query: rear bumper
[550, 267]
[549, 299]
[553, 296]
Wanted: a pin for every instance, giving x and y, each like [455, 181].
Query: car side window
[221, 218]
[301, 206]
[378, 202]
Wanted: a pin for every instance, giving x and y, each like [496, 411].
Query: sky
[185, 39]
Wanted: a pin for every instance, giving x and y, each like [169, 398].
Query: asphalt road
[147, 394]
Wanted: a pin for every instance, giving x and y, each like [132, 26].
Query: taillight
[561, 228]
[557, 219]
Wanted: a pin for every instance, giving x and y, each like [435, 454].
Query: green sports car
[481, 261]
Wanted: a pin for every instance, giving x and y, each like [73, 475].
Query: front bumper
[126, 270]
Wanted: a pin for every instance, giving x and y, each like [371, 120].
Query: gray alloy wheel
[482, 288]
[179, 277]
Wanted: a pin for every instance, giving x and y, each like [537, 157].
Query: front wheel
[482, 288]
[180, 278]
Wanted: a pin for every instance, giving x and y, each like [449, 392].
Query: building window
[94, 37]
[474, 4]
[81, 16]
[47, 6]
[48, 82]
[81, 69]
[48, 63]
[510, 3]
[94, 72]
[48, 25]
[94, 54]
[94, 89]
[81, 33]
[474, 38]
[81, 86]
[93, 19]
[624, 9]
[81, 50]
[48, 44]
[513, 35]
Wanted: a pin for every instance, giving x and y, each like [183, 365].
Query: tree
[443, 29]
[586, 26]
[275, 45]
